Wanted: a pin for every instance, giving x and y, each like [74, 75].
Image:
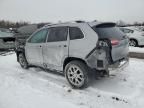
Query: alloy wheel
[75, 75]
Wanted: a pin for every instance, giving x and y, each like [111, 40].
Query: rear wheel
[23, 61]
[76, 73]
[133, 43]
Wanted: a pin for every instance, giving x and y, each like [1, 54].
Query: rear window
[75, 33]
[108, 31]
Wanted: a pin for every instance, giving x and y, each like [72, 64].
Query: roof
[76, 23]
[28, 29]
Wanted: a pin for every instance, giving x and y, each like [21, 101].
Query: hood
[6, 35]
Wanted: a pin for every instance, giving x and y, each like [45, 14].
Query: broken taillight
[114, 42]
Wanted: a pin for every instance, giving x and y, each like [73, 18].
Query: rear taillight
[114, 42]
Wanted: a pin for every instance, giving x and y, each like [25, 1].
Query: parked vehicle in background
[76, 49]
[142, 28]
[22, 33]
[136, 37]
[7, 40]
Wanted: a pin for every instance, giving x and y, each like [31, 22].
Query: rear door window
[57, 34]
[75, 33]
[108, 31]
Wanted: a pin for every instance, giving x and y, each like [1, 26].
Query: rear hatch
[118, 40]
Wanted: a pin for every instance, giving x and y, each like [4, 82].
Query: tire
[22, 60]
[133, 43]
[76, 73]
[104, 73]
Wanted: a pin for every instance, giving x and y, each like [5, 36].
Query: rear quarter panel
[80, 48]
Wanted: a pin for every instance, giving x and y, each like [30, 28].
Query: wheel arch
[18, 52]
[69, 59]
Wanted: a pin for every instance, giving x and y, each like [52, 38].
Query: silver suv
[75, 49]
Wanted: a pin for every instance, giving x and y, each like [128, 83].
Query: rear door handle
[65, 45]
[62, 46]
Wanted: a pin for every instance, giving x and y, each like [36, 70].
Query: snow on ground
[136, 49]
[36, 88]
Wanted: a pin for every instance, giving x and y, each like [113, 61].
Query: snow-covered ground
[136, 49]
[35, 88]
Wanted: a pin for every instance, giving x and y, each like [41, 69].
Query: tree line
[123, 23]
[10, 24]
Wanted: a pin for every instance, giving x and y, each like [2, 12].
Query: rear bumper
[100, 61]
[120, 65]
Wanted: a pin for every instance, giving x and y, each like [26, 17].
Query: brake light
[114, 42]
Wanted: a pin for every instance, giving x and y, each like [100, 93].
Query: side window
[39, 37]
[57, 34]
[128, 31]
[122, 29]
[75, 33]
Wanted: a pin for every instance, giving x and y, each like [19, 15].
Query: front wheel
[76, 73]
[23, 61]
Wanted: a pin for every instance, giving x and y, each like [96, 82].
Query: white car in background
[136, 36]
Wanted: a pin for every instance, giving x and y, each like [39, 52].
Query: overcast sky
[67, 10]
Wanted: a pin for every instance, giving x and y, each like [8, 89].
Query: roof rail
[77, 21]
[80, 21]
[48, 24]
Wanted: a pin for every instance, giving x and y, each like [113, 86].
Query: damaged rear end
[111, 50]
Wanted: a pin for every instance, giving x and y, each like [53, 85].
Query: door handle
[40, 46]
[62, 46]
[65, 45]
